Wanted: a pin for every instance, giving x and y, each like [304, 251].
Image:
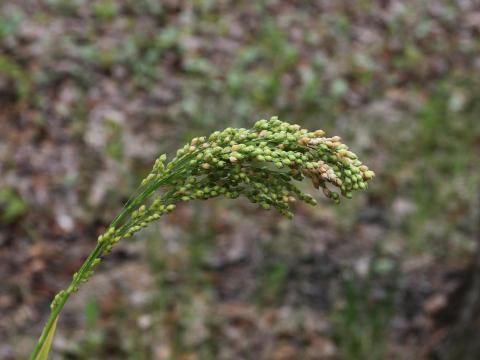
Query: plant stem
[140, 195]
[233, 162]
[86, 266]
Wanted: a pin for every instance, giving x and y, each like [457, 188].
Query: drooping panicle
[263, 164]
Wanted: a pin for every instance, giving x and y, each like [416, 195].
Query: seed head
[262, 164]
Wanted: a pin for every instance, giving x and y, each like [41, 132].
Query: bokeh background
[92, 91]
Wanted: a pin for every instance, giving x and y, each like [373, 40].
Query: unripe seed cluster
[261, 164]
[268, 157]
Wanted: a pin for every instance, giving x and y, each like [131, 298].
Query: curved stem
[86, 266]
[273, 145]
[140, 195]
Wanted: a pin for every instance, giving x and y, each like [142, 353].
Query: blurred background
[92, 91]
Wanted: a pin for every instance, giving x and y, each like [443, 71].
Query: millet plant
[261, 164]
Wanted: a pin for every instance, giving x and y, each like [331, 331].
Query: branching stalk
[261, 164]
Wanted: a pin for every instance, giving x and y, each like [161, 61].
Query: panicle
[263, 164]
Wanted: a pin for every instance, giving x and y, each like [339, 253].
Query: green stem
[140, 195]
[96, 253]
[186, 167]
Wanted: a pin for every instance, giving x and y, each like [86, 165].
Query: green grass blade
[43, 354]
